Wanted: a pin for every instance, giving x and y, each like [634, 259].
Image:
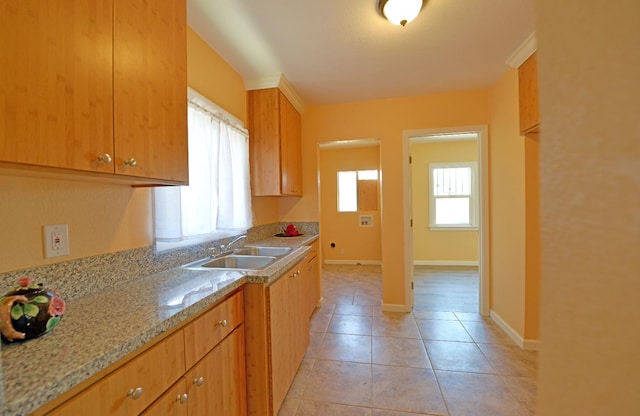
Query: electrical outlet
[56, 240]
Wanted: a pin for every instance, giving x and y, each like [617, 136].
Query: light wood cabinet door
[133, 387]
[313, 285]
[172, 403]
[150, 89]
[290, 130]
[528, 95]
[274, 144]
[55, 95]
[217, 384]
[288, 330]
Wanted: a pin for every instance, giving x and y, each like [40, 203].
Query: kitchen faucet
[227, 248]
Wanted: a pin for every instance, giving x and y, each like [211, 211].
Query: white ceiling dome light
[400, 12]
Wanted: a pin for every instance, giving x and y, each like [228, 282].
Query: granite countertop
[99, 329]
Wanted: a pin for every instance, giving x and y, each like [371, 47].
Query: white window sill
[164, 246]
[452, 228]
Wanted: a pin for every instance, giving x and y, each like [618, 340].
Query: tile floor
[441, 359]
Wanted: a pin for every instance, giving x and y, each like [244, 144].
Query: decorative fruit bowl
[29, 311]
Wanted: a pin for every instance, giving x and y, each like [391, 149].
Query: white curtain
[218, 197]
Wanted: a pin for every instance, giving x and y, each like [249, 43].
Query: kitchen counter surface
[99, 329]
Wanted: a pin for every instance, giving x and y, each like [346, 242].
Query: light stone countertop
[99, 329]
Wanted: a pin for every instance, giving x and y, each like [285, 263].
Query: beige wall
[386, 120]
[104, 218]
[353, 242]
[507, 202]
[590, 191]
[428, 245]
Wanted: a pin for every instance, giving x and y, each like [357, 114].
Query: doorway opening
[446, 210]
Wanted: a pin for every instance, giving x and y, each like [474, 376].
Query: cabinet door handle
[198, 381]
[223, 323]
[105, 158]
[135, 393]
[182, 398]
[131, 162]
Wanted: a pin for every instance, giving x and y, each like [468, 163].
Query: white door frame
[483, 188]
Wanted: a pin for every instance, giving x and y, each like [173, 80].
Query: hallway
[441, 359]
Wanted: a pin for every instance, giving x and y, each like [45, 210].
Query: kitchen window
[217, 201]
[453, 195]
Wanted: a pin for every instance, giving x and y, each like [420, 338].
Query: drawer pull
[131, 162]
[135, 393]
[182, 398]
[198, 381]
[105, 158]
[223, 323]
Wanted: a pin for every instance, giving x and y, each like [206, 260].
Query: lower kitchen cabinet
[277, 330]
[134, 386]
[214, 386]
[158, 382]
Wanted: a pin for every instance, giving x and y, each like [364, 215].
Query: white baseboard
[525, 344]
[363, 262]
[445, 263]
[390, 307]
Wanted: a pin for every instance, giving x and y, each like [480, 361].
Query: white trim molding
[280, 82]
[525, 344]
[474, 263]
[524, 51]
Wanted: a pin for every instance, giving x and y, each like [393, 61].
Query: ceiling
[337, 51]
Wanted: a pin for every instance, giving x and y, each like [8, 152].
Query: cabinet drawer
[313, 253]
[207, 331]
[152, 372]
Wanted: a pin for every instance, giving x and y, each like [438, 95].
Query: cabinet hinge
[411, 285]
[410, 160]
[411, 222]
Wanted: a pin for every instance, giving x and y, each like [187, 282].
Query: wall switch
[56, 240]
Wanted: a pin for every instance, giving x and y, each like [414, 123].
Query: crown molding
[524, 51]
[280, 82]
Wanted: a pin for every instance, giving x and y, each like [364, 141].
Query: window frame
[473, 197]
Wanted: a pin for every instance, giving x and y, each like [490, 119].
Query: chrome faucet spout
[228, 247]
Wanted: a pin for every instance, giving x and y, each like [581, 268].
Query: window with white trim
[453, 195]
[217, 202]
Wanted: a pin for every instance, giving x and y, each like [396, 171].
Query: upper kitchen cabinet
[528, 94]
[274, 144]
[150, 89]
[95, 86]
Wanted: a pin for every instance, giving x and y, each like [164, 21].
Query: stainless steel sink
[262, 251]
[233, 261]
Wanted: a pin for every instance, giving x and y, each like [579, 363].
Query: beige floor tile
[320, 322]
[350, 324]
[301, 380]
[407, 352]
[446, 316]
[361, 310]
[366, 298]
[346, 347]
[308, 408]
[471, 316]
[473, 394]
[382, 412]
[326, 307]
[511, 360]
[339, 296]
[524, 390]
[407, 389]
[487, 332]
[395, 325]
[289, 407]
[457, 356]
[340, 382]
[315, 342]
[443, 330]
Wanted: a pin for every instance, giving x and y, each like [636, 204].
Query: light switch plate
[56, 240]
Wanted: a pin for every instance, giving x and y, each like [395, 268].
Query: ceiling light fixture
[400, 12]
